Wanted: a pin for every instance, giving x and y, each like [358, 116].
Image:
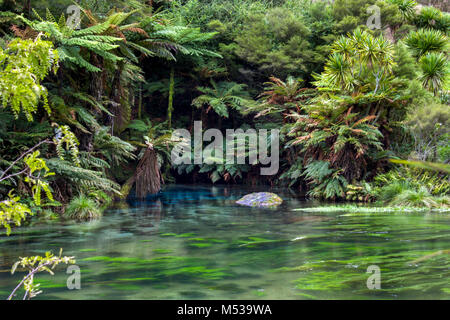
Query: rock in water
[260, 200]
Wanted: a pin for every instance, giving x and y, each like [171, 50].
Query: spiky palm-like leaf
[432, 18]
[69, 42]
[344, 46]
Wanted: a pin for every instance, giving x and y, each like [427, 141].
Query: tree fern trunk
[171, 91]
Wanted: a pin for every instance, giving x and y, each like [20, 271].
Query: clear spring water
[195, 243]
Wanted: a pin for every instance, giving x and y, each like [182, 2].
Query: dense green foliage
[83, 208]
[34, 265]
[87, 113]
[24, 64]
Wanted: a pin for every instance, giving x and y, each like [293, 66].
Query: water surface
[194, 243]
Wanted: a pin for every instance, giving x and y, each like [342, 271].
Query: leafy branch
[36, 264]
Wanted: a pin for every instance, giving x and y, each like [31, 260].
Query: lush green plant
[112, 148]
[83, 208]
[338, 137]
[415, 198]
[405, 177]
[326, 182]
[216, 166]
[362, 192]
[406, 7]
[392, 189]
[81, 178]
[155, 152]
[413, 191]
[432, 18]
[280, 97]
[424, 41]
[405, 68]
[272, 43]
[413, 187]
[294, 173]
[338, 130]
[37, 168]
[34, 265]
[359, 63]
[351, 14]
[34, 172]
[66, 141]
[434, 68]
[23, 65]
[407, 193]
[428, 123]
[221, 97]
[69, 41]
[12, 211]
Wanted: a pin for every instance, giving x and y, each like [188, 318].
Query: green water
[195, 243]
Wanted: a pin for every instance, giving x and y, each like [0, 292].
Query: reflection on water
[193, 242]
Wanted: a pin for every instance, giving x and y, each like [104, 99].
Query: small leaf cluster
[36, 264]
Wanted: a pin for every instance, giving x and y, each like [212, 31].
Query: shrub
[83, 208]
[327, 183]
[424, 41]
[428, 122]
[412, 187]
